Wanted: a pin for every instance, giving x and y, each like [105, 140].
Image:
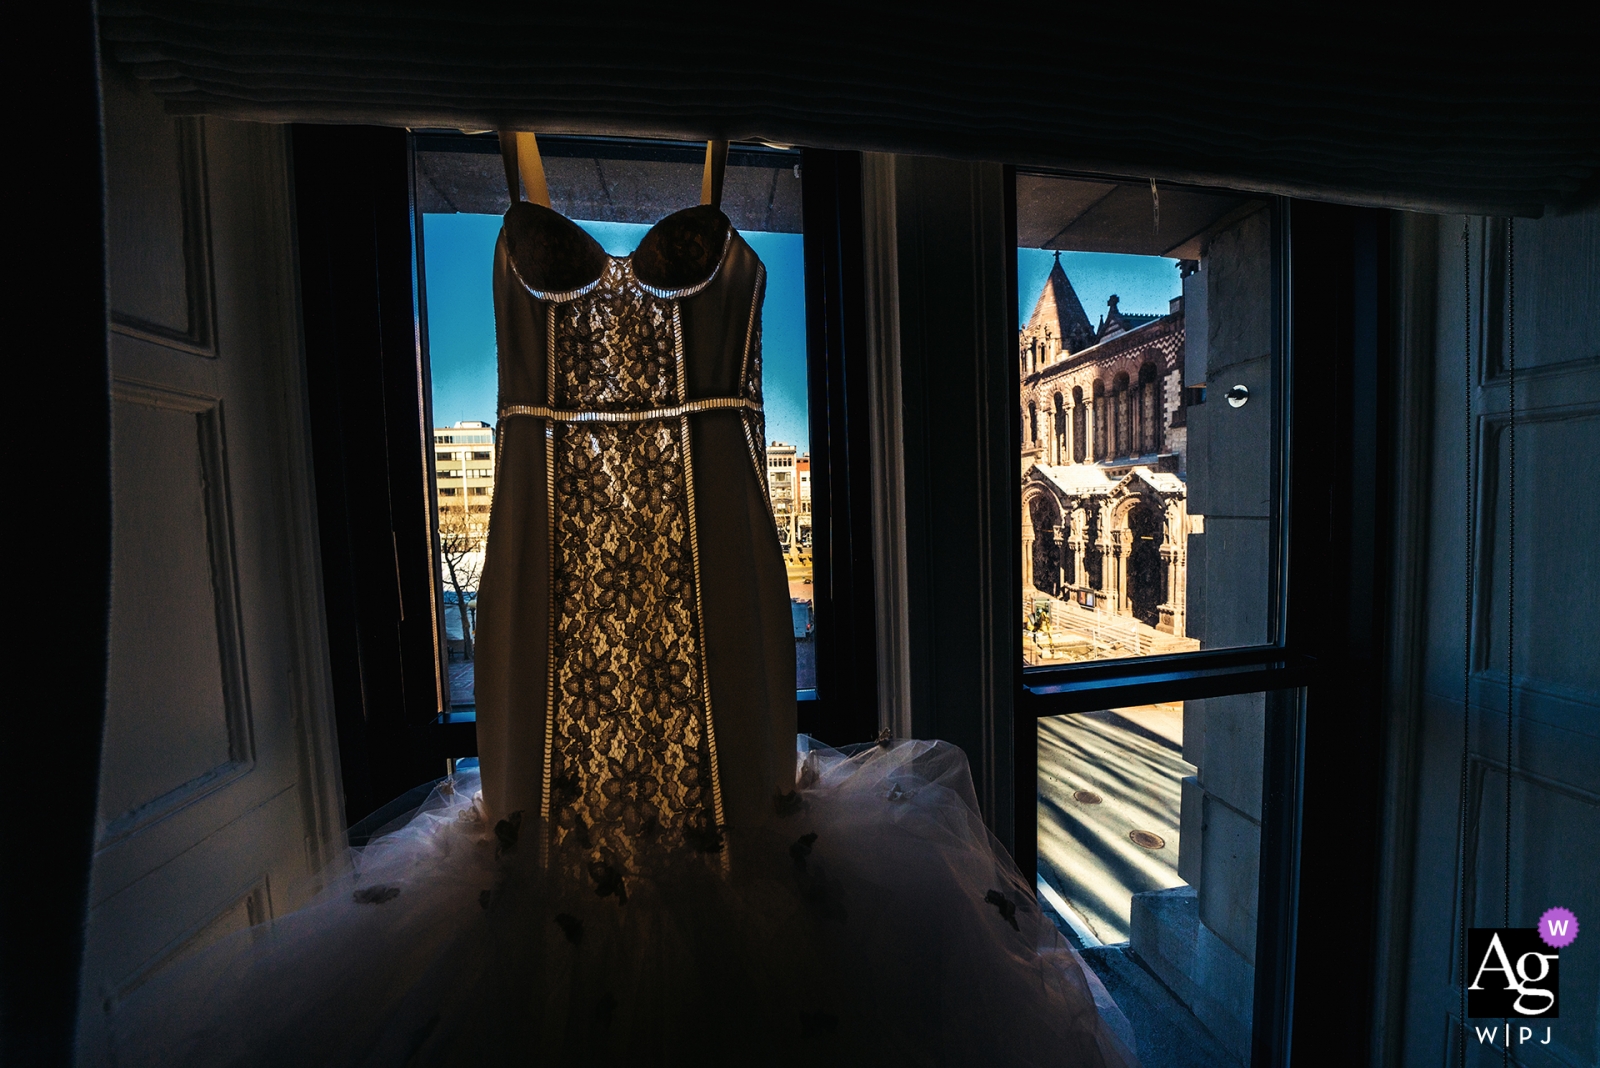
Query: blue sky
[459, 263]
[1143, 284]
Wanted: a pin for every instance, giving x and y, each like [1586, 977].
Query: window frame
[843, 708]
[367, 349]
[1322, 646]
[364, 314]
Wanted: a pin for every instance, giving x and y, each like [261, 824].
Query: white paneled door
[1550, 668]
[218, 802]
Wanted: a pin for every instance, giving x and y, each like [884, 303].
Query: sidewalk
[461, 686]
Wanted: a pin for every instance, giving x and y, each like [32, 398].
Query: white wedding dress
[648, 872]
[878, 923]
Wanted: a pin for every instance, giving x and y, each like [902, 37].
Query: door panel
[218, 801]
[1554, 766]
[176, 688]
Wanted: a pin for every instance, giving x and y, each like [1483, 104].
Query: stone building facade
[1105, 523]
[789, 490]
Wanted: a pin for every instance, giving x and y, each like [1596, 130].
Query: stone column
[1102, 548]
[1118, 583]
[1180, 624]
[1169, 609]
[1178, 592]
[1124, 601]
[1088, 431]
[1027, 551]
[1060, 534]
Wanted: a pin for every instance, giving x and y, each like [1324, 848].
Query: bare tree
[461, 539]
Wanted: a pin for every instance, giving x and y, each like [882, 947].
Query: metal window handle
[1238, 395]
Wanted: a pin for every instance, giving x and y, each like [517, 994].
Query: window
[1149, 857]
[377, 489]
[1150, 520]
[615, 189]
[1137, 508]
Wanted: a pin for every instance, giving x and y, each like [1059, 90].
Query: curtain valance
[1389, 110]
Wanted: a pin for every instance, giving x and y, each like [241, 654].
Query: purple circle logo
[1558, 927]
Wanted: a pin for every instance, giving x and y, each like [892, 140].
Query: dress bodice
[635, 677]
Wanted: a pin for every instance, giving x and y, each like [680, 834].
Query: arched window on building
[1149, 410]
[1101, 411]
[1046, 517]
[1144, 563]
[1123, 439]
[1059, 431]
[1033, 422]
[1079, 425]
[1094, 571]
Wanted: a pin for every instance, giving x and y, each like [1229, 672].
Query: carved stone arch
[1094, 542]
[1125, 500]
[1042, 512]
[1138, 518]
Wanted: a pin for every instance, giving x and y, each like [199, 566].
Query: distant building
[1104, 519]
[463, 457]
[802, 519]
[789, 488]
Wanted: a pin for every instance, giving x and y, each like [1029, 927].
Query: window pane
[1145, 357]
[1149, 851]
[615, 190]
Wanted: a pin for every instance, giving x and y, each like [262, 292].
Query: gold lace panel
[631, 768]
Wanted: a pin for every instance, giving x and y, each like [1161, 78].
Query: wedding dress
[649, 870]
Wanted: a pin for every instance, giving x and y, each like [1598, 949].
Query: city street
[462, 694]
[1108, 810]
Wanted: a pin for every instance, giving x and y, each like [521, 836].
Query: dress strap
[519, 152]
[566, 415]
[716, 168]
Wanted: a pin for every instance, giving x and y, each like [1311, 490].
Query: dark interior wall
[61, 365]
[958, 370]
[1390, 105]
[370, 432]
[844, 710]
[1338, 306]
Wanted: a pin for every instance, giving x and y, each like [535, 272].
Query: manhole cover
[1147, 840]
[1086, 797]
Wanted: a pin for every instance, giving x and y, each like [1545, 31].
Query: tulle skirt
[875, 922]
